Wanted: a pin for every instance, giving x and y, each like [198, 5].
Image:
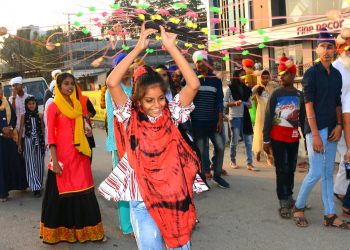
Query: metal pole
[70, 48]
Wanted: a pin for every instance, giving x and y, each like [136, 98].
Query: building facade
[278, 26]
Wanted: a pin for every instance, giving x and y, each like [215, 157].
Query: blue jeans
[201, 140]
[321, 167]
[236, 126]
[147, 233]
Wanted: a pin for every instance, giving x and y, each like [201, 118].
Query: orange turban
[287, 65]
[248, 63]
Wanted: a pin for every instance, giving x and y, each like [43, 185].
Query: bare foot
[269, 160]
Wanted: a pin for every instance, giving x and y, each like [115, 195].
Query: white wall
[300, 8]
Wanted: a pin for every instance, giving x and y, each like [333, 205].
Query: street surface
[242, 217]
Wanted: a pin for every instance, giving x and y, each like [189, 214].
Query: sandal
[285, 212]
[224, 172]
[346, 213]
[329, 222]
[300, 221]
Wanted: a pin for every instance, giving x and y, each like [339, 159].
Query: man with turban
[49, 92]
[250, 81]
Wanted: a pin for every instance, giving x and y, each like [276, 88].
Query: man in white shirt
[49, 92]
[17, 99]
[343, 65]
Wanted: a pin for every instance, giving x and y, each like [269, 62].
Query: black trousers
[285, 157]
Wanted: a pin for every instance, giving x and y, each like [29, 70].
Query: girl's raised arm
[114, 79]
[188, 93]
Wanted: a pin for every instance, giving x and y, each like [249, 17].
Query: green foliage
[128, 7]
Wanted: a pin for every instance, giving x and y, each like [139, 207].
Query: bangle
[340, 124]
[311, 117]
[315, 135]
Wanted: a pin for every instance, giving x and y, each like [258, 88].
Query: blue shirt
[127, 90]
[324, 91]
[208, 102]
[110, 141]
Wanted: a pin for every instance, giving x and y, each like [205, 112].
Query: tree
[27, 50]
[14, 48]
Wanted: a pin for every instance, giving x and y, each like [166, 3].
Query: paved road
[242, 217]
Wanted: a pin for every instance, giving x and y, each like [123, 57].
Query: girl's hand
[88, 132]
[143, 41]
[168, 39]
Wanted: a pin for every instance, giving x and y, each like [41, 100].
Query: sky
[46, 14]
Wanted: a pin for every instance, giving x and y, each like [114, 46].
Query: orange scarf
[165, 168]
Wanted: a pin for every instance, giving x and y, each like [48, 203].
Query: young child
[34, 144]
[158, 168]
[285, 112]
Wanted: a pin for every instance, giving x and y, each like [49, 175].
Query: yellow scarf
[5, 105]
[75, 112]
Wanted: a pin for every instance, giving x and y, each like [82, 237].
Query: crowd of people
[159, 123]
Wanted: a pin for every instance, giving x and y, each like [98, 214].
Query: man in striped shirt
[206, 119]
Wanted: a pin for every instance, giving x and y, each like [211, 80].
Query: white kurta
[20, 108]
[341, 183]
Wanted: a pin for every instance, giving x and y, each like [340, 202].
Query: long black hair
[236, 80]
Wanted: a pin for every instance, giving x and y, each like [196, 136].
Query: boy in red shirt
[285, 112]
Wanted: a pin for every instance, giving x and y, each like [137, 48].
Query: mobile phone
[347, 170]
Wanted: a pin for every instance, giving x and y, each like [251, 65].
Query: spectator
[49, 92]
[343, 65]
[32, 125]
[262, 93]
[322, 85]
[285, 112]
[207, 118]
[238, 100]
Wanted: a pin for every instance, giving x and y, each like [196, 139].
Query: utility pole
[70, 47]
